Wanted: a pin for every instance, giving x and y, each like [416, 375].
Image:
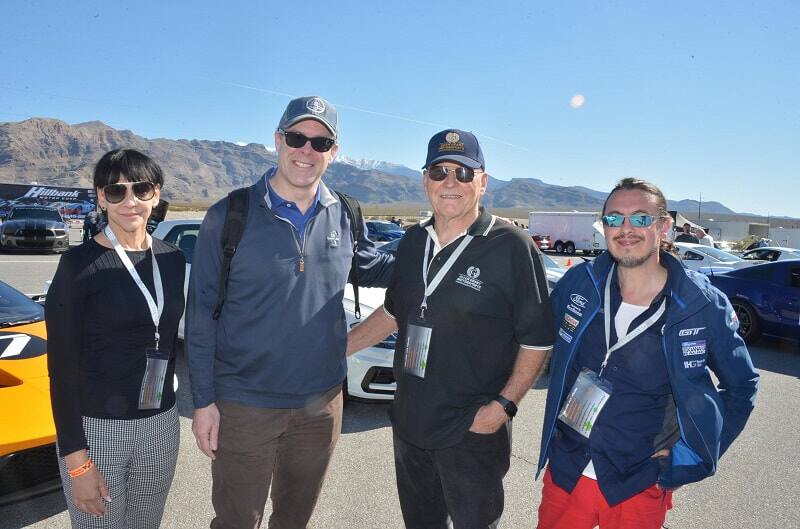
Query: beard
[632, 261]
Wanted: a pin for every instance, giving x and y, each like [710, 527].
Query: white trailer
[569, 231]
[789, 237]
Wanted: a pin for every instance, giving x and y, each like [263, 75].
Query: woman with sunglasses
[112, 316]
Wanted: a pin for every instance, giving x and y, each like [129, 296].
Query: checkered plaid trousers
[137, 459]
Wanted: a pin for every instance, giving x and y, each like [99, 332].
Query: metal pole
[699, 205]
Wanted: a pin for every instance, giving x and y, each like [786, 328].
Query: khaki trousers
[288, 448]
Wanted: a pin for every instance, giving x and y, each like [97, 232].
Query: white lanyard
[156, 306]
[646, 324]
[442, 271]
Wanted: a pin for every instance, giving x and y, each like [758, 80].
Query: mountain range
[52, 152]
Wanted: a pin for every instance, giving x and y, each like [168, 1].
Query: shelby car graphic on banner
[72, 202]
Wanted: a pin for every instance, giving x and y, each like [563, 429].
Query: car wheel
[570, 248]
[748, 321]
[559, 247]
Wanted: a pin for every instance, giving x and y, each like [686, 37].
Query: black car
[34, 228]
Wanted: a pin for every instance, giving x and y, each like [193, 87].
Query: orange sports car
[28, 464]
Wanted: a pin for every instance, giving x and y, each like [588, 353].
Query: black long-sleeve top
[98, 330]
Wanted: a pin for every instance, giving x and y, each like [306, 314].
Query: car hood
[33, 223]
[24, 389]
[554, 274]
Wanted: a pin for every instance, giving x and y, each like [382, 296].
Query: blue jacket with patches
[709, 418]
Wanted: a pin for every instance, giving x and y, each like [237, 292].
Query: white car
[771, 253]
[706, 259]
[369, 371]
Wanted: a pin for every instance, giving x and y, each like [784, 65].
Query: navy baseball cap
[455, 146]
[310, 107]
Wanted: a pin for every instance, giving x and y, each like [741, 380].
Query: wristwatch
[508, 406]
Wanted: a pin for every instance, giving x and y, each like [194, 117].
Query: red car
[542, 241]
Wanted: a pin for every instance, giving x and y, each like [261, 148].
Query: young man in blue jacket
[632, 412]
[267, 375]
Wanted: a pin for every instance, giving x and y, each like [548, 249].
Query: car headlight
[60, 232]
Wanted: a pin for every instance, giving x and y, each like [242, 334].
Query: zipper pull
[302, 264]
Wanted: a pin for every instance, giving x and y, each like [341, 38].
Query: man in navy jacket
[267, 375]
[632, 412]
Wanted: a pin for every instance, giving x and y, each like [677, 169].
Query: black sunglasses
[439, 173]
[296, 140]
[116, 193]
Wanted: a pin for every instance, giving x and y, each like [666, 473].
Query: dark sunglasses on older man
[295, 140]
[116, 193]
[439, 173]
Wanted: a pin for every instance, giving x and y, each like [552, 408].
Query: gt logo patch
[690, 332]
[693, 348]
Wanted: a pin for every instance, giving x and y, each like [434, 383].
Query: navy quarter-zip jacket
[281, 337]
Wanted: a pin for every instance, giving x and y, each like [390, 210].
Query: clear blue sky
[699, 97]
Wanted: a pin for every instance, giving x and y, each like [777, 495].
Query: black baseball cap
[310, 107]
[456, 146]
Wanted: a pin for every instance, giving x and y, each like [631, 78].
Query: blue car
[766, 298]
[383, 231]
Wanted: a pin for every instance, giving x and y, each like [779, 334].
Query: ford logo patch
[579, 300]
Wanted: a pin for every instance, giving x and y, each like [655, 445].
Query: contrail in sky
[375, 113]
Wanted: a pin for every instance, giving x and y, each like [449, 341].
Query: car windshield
[16, 308]
[719, 255]
[35, 213]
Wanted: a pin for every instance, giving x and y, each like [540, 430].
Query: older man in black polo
[469, 297]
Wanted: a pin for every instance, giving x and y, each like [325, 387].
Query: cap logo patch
[453, 143]
[315, 105]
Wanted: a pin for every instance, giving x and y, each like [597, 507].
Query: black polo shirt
[492, 300]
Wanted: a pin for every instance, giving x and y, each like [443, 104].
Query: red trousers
[586, 508]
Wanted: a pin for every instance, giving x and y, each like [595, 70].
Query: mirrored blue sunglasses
[637, 221]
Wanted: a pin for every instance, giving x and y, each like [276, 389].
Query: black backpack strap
[353, 210]
[232, 230]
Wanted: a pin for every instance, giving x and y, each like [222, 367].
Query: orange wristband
[81, 470]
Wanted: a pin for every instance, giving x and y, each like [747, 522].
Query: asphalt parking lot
[757, 484]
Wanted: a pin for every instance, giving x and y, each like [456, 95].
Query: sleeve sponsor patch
[693, 348]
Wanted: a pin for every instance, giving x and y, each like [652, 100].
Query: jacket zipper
[301, 244]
